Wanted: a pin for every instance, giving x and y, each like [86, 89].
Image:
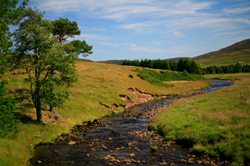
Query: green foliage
[237, 68]
[154, 148]
[9, 15]
[48, 67]
[8, 123]
[183, 64]
[152, 76]
[169, 138]
[158, 79]
[131, 76]
[65, 28]
[78, 47]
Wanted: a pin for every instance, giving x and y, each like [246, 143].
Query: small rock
[132, 155]
[71, 143]
[39, 162]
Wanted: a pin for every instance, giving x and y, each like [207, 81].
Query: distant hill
[115, 62]
[239, 51]
[85, 60]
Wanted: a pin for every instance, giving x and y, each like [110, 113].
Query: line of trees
[183, 64]
[237, 68]
[37, 49]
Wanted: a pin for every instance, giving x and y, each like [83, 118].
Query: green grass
[158, 78]
[217, 123]
[97, 83]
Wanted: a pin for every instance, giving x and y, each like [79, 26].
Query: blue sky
[153, 29]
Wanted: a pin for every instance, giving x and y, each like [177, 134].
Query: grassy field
[217, 123]
[98, 82]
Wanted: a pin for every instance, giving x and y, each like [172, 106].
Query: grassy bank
[97, 83]
[217, 123]
[158, 78]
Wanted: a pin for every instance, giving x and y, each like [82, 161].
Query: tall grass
[217, 123]
[97, 83]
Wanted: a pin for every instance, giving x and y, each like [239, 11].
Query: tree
[65, 28]
[194, 68]
[38, 54]
[180, 65]
[78, 47]
[9, 15]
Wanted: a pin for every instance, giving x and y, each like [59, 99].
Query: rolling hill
[239, 51]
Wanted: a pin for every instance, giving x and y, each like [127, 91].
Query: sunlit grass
[217, 123]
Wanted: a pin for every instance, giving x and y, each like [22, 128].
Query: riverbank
[122, 139]
[217, 123]
[97, 94]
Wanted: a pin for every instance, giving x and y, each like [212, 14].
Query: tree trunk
[61, 39]
[52, 109]
[39, 110]
[38, 104]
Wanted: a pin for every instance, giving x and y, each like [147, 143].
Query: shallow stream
[122, 139]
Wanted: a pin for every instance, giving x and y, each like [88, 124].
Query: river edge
[174, 102]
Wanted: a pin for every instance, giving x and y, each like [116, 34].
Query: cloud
[124, 9]
[142, 27]
[237, 10]
[134, 47]
[91, 37]
[108, 44]
[178, 34]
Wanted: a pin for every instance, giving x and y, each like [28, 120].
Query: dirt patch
[143, 97]
[139, 97]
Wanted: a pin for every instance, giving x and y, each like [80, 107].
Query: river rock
[132, 155]
[71, 143]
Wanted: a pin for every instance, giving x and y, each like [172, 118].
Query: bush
[8, 123]
[131, 76]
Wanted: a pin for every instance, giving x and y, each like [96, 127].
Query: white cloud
[178, 34]
[144, 26]
[134, 47]
[124, 9]
[237, 10]
[108, 44]
[91, 37]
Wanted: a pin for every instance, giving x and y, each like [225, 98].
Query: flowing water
[121, 139]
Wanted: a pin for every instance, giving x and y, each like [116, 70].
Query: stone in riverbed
[132, 155]
[71, 143]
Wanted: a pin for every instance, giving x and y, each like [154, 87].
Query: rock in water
[71, 143]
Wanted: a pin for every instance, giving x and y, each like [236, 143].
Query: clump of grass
[217, 123]
[131, 76]
[154, 148]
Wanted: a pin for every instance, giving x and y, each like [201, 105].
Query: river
[122, 139]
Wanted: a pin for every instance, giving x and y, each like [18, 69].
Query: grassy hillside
[98, 82]
[239, 51]
[217, 123]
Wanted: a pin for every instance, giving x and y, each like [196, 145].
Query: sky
[153, 29]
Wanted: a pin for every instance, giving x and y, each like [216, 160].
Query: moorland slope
[239, 51]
